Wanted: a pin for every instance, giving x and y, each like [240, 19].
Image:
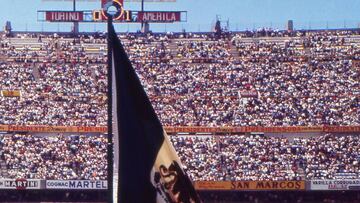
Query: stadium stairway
[173, 47]
[36, 73]
[2, 58]
[307, 51]
[301, 173]
[93, 74]
[3, 170]
[234, 51]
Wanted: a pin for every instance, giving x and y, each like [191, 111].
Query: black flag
[146, 167]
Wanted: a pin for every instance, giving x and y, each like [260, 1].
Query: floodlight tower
[76, 24]
[142, 10]
[144, 25]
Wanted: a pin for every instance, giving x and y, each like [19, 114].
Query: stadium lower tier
[205, 158]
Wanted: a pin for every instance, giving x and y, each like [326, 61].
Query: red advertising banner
[273, 129]
[34, 128]
[341, 129]
[64, 16]
[83, 129]
[199, 129]
[158, 16]
[279, 129]
[188, 129]
[249, 185]
[4, 128]
[11, 93]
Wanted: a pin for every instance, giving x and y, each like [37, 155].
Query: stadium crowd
[216, 158]
[196, 81]
[193, 80]
[263, 78]
[54, 157]
[255, 157]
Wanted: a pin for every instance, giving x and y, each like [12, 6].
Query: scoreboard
[125, 16]
[159, 16]
[64, 16]
[120, 15]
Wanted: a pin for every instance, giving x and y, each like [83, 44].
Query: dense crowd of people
[256, 157]
[262, 78]
[60, 157]
[207, 158]
[240, 79]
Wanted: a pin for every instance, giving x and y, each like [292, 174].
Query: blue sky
[242, 14]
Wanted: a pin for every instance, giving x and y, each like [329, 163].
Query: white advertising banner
[345, 184]
[77, 184]
[20, 184]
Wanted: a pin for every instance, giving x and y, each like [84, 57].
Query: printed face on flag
[168, 176]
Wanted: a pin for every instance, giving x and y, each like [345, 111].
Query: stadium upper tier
[239, 79]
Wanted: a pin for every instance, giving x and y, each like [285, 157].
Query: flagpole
[110, 147]
[141, 147]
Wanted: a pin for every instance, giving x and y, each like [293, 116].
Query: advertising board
[250, 185]
[20, 184]
[77, 184]
[345, 184]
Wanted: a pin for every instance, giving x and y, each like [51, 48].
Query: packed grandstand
[263, 78]
[206, 158]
